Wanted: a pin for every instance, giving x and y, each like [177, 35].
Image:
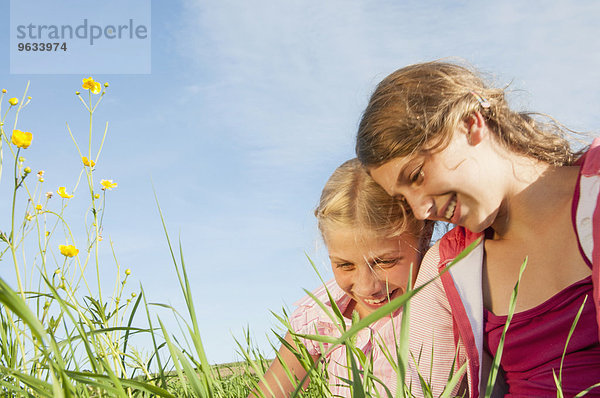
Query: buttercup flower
[63, 194]
[22, 139]
[87, 162]
[38, 207]
[128, 271]
[3, 90]
[21, 159]
[92, 85]
[13, 101]
[27, 170]
[108, 184]
[68, 250]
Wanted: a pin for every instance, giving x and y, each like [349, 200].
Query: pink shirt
[535, 342]
[309, 318]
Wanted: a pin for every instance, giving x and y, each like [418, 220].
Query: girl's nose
[421, 205]
[368, 282]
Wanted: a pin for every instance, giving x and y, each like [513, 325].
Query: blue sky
[250, 106]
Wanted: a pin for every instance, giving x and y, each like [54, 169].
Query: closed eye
[416, 177]
[387, 263]
[344, 265]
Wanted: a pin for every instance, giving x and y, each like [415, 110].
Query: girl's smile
[370, 269]
[463, 183]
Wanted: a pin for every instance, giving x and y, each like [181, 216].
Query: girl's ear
[476, 128]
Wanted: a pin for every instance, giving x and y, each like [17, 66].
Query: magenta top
[535, 341]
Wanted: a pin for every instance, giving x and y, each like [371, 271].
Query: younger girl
[436, 136]
[372, 245]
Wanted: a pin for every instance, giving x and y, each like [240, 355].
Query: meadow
[64, 334]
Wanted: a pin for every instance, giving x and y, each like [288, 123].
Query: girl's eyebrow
[338, 259]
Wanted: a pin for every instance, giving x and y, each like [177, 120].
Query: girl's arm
[276, 378]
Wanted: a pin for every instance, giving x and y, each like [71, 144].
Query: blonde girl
[372, 244]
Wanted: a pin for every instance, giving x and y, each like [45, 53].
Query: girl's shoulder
[455, 241]
[590, 161]
[308, 311]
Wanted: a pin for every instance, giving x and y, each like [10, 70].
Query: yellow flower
[63, 194]
[68, 250]
[22, 139]
[13, 101]
[87, 162]
[27, 170]
[108, 184]
[90, 84]
[96, 196]
[3, 90]
[128, 271]
[38, 207]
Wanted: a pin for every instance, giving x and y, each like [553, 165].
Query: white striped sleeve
[431, 337]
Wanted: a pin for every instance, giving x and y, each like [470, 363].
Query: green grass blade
[584, 392]
[498, 357]
[161, 372]
[454, 380]
[41, 388]
[129, 323]
[559, 381]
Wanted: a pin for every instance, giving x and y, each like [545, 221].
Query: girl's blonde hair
[420, 106]
[351, 198]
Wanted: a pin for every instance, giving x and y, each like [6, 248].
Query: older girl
[372, 246]
[436, 136]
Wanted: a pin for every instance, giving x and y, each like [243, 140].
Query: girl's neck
[537, 192]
